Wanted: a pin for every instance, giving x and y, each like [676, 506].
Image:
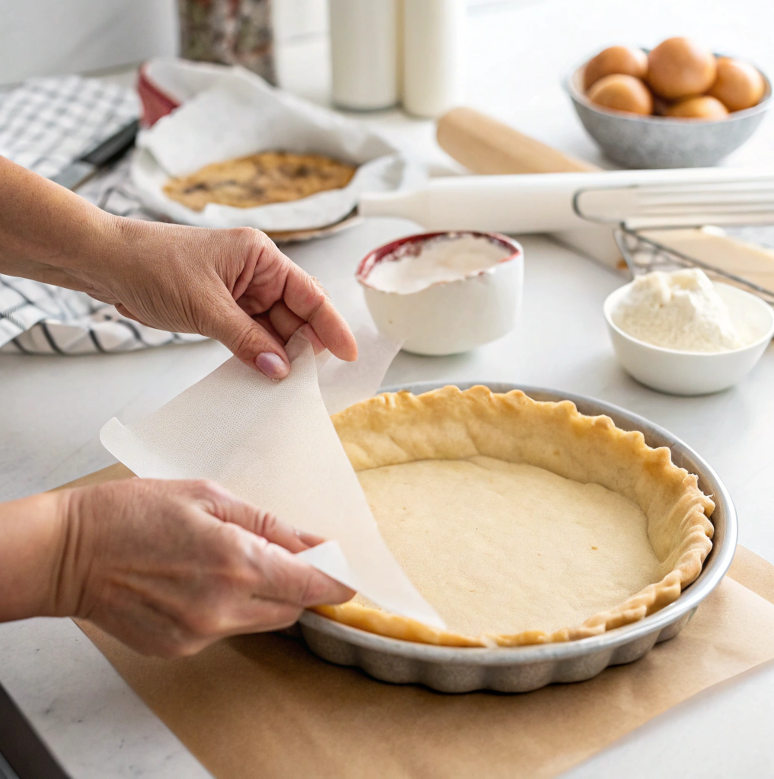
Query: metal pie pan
[520, 669]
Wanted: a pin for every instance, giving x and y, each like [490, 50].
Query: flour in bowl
[679, 310]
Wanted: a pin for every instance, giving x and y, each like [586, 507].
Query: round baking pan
[520, 669]
[299, 236]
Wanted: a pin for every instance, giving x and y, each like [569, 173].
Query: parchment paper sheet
[233, 426]
[264, 706]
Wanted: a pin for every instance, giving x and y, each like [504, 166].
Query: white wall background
[44, 37]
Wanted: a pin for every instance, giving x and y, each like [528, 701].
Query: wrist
[115, 256]
[47, 233]
[34, 532]
[72, 554]
[92, 258]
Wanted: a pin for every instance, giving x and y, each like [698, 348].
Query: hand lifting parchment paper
[272, 443]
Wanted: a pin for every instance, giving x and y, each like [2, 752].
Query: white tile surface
[716, 735]
[48, 37]
[91, 720]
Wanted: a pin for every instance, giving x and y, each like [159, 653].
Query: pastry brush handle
[507, 204]
[539, 203]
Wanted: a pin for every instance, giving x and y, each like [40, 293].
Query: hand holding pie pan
[553, 541]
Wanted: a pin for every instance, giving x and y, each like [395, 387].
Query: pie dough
[521, 522]
[260, 179]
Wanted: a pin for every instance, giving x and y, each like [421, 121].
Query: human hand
[169, 567]
[232, 285]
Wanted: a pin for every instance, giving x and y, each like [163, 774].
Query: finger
[261, 523]
[310, 539]
[308, 300]
[248, 340]
[290, 579]
[124, 311]
[248, 615]
[261, 616]
[286, 323]
[228, 508]
[265, 322]
[252, 615]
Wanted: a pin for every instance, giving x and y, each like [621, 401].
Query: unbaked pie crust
[516, 518]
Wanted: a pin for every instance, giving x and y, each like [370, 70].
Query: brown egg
[660, 106]
[615, 59]
[678, 67]
[622, 93]
[738, 85]
[702, 107]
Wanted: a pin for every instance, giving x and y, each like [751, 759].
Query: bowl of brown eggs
[678, 105]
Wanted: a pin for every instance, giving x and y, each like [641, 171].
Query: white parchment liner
[240, 114]
[272, 443]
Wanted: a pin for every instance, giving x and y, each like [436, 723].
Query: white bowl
[448, 317]
[695, 373]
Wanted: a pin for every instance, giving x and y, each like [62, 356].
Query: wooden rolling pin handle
[487, 146]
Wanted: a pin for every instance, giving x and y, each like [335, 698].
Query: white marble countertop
[51, 408]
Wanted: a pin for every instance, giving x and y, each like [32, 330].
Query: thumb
[288, 574]
[249, 341]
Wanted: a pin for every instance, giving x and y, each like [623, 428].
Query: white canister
[433, 51]
[364, 53]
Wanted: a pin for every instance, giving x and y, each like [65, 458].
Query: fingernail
[272, 365]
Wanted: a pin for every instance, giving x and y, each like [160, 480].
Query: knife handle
[113, 147]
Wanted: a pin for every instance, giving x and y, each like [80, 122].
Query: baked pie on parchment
[521, 522]
[259, 180]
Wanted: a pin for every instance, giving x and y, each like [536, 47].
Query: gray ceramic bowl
[660, 142]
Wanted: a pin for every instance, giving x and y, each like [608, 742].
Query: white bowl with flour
[444, 293]
[683, 334]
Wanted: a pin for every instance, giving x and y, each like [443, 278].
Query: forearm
[33, 571]
[48, 233]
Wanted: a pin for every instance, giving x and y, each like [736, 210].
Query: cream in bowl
[684, 334]
[444, 293]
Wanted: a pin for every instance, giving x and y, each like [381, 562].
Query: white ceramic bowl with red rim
[155, 102]
[165, 83]
[447, 317]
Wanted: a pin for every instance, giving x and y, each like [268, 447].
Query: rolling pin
[486, 146]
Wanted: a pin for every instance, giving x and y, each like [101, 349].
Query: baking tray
[520, 669]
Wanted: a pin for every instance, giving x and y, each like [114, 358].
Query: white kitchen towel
[273, 444]
[37, 318]
[46, 124]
